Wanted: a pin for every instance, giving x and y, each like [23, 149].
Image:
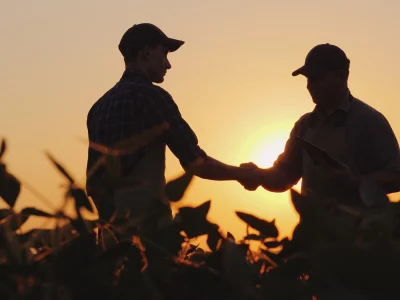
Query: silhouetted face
[157, 63]
[324, 88]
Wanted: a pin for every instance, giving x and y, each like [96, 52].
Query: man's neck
[339, 102]
[136, 68]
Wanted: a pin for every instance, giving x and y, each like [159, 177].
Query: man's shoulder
[302, 121]
[360, 108]
[140, 87]
[151, 91]
[131, 91]
[159, 91]
[304, 117]
[363, 116]
[301, 124]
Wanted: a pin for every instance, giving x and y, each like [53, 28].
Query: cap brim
[304, 70]
[308, 71]
[174, 44]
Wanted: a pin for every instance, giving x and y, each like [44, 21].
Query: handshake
[250, 177]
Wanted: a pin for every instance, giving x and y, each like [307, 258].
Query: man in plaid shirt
[135, 105]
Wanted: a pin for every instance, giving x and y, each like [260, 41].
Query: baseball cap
[323, 58]
[140, 35]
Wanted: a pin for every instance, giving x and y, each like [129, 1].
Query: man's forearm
[274, 180]
[213, 169]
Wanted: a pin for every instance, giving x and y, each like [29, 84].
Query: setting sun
[265, 145]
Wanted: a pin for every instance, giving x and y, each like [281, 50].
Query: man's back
[122, 112]
[116, 116]
[133, 106]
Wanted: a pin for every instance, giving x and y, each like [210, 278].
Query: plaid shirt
[133, 105]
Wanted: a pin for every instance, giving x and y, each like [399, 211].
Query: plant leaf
[10, 187]
[193, 220]
[301, 204]
[31, 211]
[230, 236]
[176, 188]
[192, 249]
[5, 212]
[272, 244]
[142, 139]
[81, 199]
[268, 229]
[15, 221]
[60, 168]
[254, 237]
[213, 239]
[274, 257]
[200, 211]
[133, 143]
[3, 148]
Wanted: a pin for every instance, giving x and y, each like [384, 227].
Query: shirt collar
[343, 105]
[130, 74]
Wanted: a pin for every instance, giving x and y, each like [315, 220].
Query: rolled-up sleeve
[180, 138]
[289, 162]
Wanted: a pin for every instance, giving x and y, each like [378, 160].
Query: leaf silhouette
[176, 188]
[10, 187]
[301, 204]
[199, 212]
[3, 148]
[254, 237]
[60, 168]
[268, 229]
[230, 236]
[14, 221]
[81, 199]
[192, 249]
[213, 239]
[285, 241]
[131, 144]
[110, 154]
[193, 220]
[272, 244]
[31, 211]
[274, 257]
[5, 212]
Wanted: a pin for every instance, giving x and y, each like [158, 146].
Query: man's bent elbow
[277, 188]
[198, 167]
[277, 181]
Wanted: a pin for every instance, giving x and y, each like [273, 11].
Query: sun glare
[264, 147]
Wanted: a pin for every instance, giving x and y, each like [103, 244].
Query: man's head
[327, 69]
[145, 47]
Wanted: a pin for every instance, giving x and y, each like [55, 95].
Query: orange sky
[231, 80]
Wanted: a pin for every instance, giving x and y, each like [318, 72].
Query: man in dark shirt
[345, 127]
[133, 106]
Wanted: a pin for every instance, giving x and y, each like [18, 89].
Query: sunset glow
[264, 147]
[231, 81]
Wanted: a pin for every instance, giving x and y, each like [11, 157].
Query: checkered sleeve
[159, 107]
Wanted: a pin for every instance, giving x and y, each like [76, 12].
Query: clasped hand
[252, 180]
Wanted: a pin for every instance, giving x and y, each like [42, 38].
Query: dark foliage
[332, 246]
